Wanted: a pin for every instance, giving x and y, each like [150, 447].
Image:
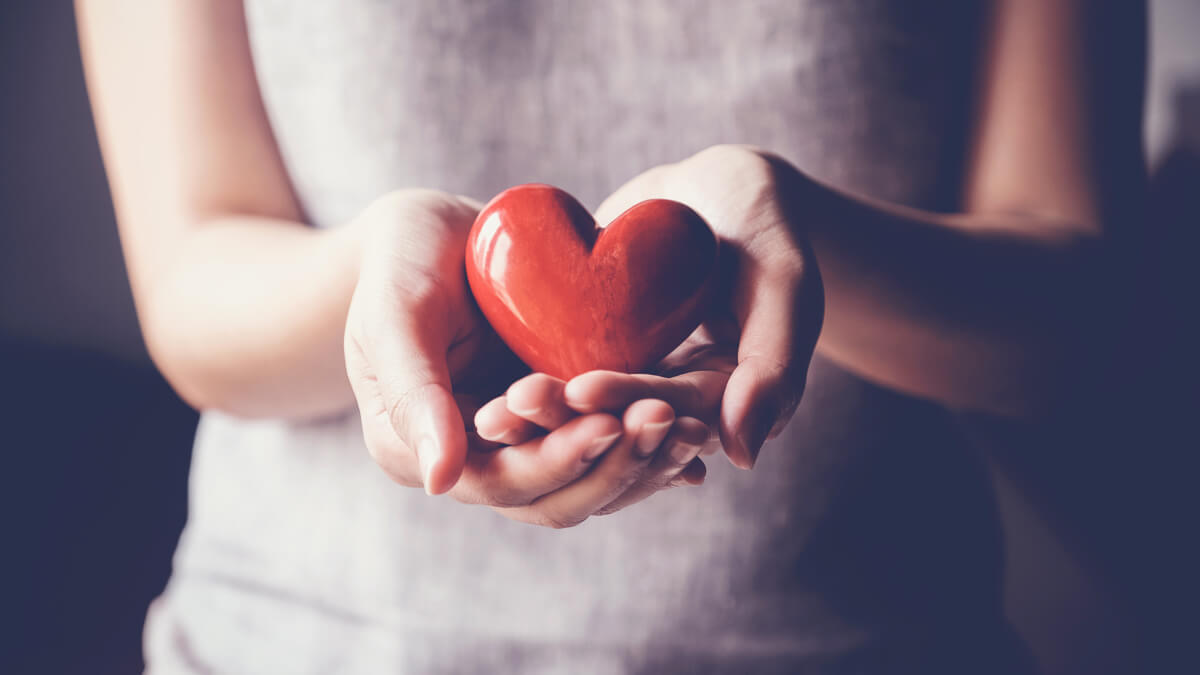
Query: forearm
[976, 311]
[248, 316]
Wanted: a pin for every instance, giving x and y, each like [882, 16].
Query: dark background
[97, 446]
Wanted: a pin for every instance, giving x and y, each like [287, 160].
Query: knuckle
[403, 479]
[658, 175]
[724, 154]
[421, 292]
[692, 399]
[784, 262]
[406, 200]
[560, 474]
[559, 521]
[663, 478]
[505, 499]
[737, 164]
[773, 250]
[400, 406]
[674, 463]
[397, 411]
[465, 495]
[775, 371]
[496, 492]
[480, 495]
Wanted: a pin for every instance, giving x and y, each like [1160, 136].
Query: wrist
[347, 244]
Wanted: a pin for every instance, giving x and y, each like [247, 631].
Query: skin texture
[248, 311]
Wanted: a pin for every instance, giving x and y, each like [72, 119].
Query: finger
[681, 446]
[539, 398]
[611, 476]
[693, 394]
[517, 475]
[646, 185]
[395, 458]
[780, 314]
[495, 422]
[693, 474]
[409, 359]
[468, 408]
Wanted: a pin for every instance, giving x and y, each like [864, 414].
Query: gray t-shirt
[864, 542]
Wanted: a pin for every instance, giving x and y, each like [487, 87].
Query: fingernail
[650, 435]
[755, 433]
[682, 453]
[524, 413]
[747, 456]
[581, 408]
[573, 400]
[599, 446]
[579, 405]
[506, 437]
[426, 450]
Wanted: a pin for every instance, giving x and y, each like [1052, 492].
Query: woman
[955, 195]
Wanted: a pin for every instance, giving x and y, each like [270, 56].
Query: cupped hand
[772, 302]
[420, 357]
[744, 370]
[557, 452]
[409, 328]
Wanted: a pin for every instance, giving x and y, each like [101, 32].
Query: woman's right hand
[410, 326]
[421, 358]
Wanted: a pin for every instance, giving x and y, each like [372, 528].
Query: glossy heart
[568, 297]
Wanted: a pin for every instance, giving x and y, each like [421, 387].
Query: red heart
[568, 297]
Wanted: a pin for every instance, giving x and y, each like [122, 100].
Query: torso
[865, 539]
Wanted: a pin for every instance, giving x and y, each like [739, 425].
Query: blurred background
[98, 446]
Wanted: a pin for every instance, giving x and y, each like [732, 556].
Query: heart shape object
[568, 297]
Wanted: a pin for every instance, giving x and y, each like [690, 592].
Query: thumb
[414, 383]
[780, 313]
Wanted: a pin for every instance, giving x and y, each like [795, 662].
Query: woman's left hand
[770, 305]
[740, 374]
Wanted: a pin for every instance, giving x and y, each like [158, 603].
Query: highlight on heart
[569, 297]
